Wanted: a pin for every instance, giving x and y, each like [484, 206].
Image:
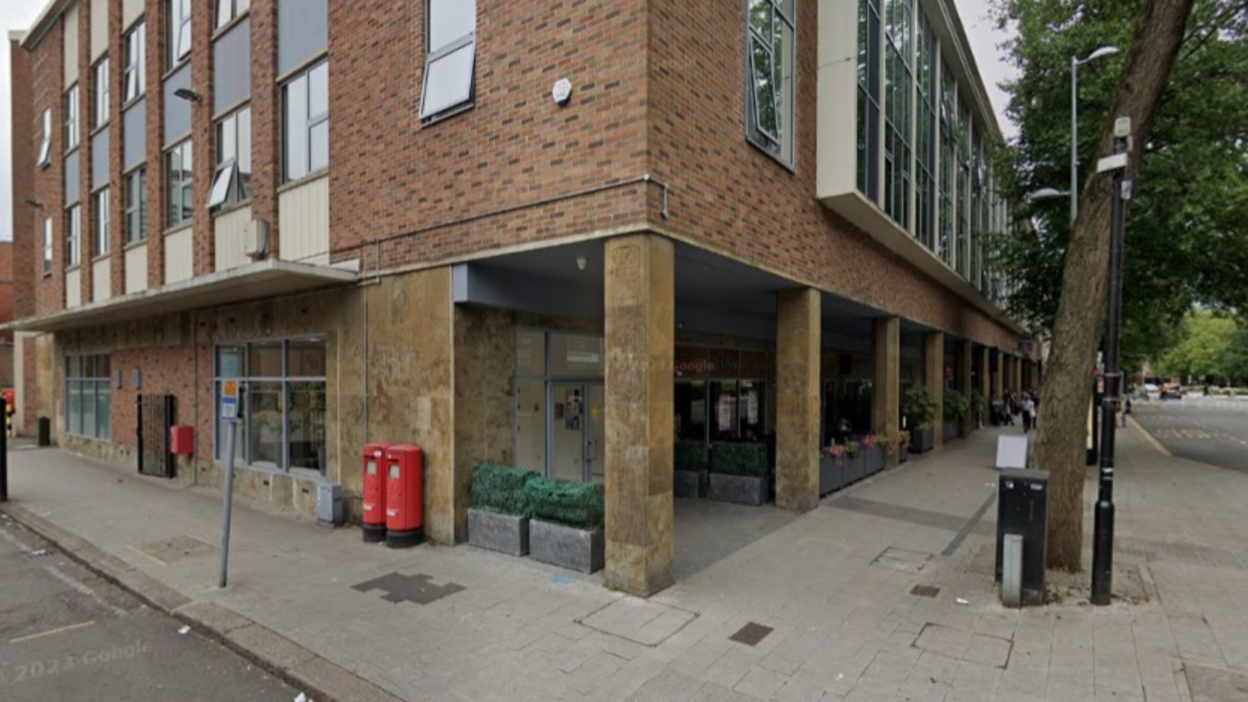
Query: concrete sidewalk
[823, 602]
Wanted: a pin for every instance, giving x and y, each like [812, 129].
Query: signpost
[229, 415]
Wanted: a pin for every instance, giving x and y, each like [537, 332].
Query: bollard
[1012, 571]
[4, 455]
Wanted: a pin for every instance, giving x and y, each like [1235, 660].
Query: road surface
[1206, 429]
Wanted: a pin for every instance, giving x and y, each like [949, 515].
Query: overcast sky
[20, 14]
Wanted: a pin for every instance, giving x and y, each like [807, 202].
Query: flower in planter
[853, 448]
[833, 450]
[870, 441]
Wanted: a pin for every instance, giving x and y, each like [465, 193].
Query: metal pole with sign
[229, 415]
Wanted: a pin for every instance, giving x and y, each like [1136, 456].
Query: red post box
[375, 492]
[182, 440]
[405, 483]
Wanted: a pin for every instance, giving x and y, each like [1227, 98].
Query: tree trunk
[1061, 437]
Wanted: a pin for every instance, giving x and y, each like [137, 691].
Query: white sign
[229, 400]
[1012, 452]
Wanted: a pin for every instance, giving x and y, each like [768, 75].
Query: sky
[20, 14]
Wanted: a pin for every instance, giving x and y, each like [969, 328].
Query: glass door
[578, 432]
[596, 434]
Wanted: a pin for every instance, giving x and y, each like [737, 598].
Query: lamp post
[1075, 63]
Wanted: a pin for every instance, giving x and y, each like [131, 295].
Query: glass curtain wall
[899, 86]
[962, 256]
[869, 98]
[925, 131]
[947, 153]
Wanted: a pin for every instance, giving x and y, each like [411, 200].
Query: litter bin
[45, 431]
[1023, 510]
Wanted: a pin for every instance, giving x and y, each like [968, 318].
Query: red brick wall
[165, 370]
[24, 150]
[48, 87]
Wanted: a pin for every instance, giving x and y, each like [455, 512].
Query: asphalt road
[1206, 429]
[68, 635]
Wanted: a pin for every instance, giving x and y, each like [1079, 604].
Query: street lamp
[1075, 63]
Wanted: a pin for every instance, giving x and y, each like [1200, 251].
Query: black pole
[1103, 536]
[4, 450]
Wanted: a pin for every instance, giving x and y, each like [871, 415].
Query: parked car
[1172, 392]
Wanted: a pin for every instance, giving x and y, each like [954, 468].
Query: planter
[921, 440]
[874, 460]
[831, 474]
[739, 489]
[567, 547]
[505, 533]
[855, 468]
[903, 453]
[691, 484]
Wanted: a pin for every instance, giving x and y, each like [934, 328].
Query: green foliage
[1187, 239]
[732, 458]
[691, 456]
[979, 403]
[578, 505]
[956, 404]
[500, 489]
[918, 405]
[1210, 346]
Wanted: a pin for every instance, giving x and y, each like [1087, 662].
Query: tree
[1205, 348]
[1080, 311]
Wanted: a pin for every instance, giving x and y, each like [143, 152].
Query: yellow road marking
[1149, 438]
[71, 627]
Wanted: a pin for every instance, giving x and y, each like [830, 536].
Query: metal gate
[155, 419]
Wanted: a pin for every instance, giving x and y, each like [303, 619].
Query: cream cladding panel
[71, 48]
[73, 288]
[231, 231]
[304, 216]
[179, 255]
[131, 10]
[99, 28]
[101, 280]
[136, 269]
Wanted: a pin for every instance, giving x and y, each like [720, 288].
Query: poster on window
[697, 412]
[723, 412]
[751, 407]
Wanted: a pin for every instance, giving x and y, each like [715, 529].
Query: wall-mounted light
[581, 262]
[188, 95]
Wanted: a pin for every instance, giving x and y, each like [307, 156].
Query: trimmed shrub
[578, 505]
[919, 406]
[691, 456]
[500, 489]
[747, 459]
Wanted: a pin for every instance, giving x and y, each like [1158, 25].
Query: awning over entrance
[270, 278]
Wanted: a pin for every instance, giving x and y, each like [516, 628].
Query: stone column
[640, 329]
[798, 320]
[998, 378]
[985, 374]
[886, 380]
[934, 375]
[965, 386]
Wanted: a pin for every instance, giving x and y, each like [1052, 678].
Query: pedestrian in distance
[1029, 410]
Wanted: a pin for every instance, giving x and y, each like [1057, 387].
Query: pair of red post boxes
[394, 479]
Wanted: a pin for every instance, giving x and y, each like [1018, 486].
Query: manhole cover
[751, 634]
[177, 549]
[925, 590]
[902, 559]
[646, 623]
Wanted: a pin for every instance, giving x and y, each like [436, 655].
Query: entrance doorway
[578, 434]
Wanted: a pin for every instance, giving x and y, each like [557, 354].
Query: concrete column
[797, 399]
[934, 374]
[886, 379]
[985, 374]
[640, 329]
[965, 365]
[998, 378]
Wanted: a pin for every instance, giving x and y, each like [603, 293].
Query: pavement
[66, 634]
[818, 607]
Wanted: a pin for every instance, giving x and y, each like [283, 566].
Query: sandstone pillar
[640, 329]
[965, 382]
[998, 377]
[985, 375]
[798, 320]
[886, 380]
[934, 376]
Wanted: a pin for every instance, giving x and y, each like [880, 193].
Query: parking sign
[229, 400]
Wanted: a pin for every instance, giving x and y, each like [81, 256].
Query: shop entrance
[578, 431]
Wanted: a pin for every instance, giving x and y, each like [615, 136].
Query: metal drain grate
[751, 634]
[925, 590]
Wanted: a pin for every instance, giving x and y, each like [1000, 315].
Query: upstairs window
[769, 59]
[71, 119]
[45, 144]
[178, 34]
[47, 246]
[136, 205]
[103, 223]
[232, 183]
[179, 185]
[135, 77]
[305, 123]
[73, 236]
[102, 97]
[227, 10]
[450, 58]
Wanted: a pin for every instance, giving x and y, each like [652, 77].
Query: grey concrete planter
[922, 440]
[874, 459]
[855, 468]
[831, 474]
[567, 547]
[690, 484]
[505, 533]
[903, 454]
[953, 430]
[739, 489]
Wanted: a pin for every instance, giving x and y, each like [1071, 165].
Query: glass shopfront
[560, 405]
[720, 394]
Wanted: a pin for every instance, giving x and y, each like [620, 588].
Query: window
[135, 77]
[944, 245]
[869, 98]
[963, 256]
[103, 224]
[88, 409]
[73, 236]
[281, 414]
[925, 148]
[769, 59]
[232, 183]
[179, 166]
[899, 82]
[47, 246]
[227, 10]
[450, 58]
[45, 145]
[178, 35]
[136, 205]
[71, 119]
[101, 93]
[305, 123]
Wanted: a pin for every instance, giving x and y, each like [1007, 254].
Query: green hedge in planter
[500, 489]
[578, 505]
[691, 456]
[739, 459]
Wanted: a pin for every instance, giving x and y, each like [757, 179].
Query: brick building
[559, 237]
